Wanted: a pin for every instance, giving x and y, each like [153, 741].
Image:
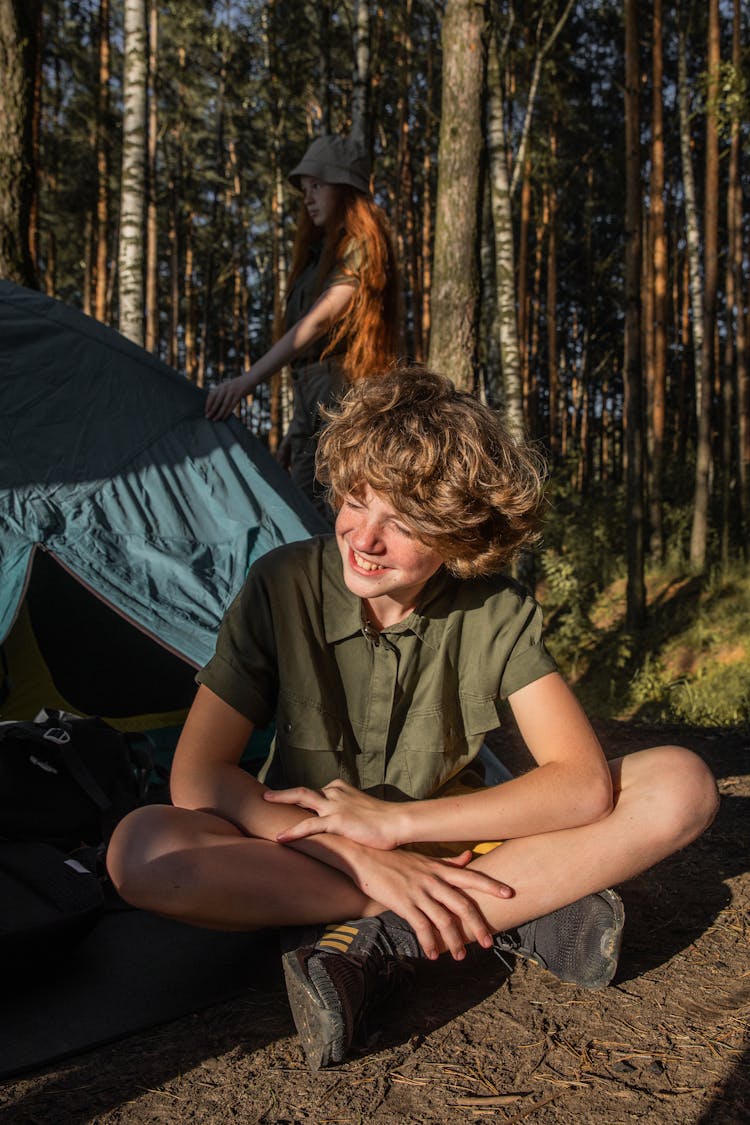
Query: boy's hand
[435, 896]
[343, 810]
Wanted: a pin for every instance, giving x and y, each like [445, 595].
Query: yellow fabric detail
[336, 946]
[489, 846]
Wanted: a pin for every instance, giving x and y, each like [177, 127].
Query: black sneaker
[332, 983]
[579, 943]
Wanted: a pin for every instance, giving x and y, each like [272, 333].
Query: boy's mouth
[364, 564]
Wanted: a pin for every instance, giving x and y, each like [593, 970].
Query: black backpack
[68, 780]
[65, 782]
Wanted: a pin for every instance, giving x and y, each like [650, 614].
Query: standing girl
[342, 315]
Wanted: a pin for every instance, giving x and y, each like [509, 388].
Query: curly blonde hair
[445, 461]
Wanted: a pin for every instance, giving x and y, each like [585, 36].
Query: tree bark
[701, 497]
[738, 313]
[152, 226]
[502, 223]
[132, 213]
[659, 307]
[101, 269]
[636, 590]
[19, 43]
[553, 385]
[455, 280]
[361, 72]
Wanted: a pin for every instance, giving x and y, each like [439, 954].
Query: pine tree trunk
[132, 211]
[699, 530]
[101, 269]
[523, 295]
[455, 281]
[739, 313]
[659, 270]
[553, 385]
[636, 592]
[19, 29]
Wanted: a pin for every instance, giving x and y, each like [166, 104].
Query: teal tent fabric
[108, 464]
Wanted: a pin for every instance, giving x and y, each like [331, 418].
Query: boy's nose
[366, 538]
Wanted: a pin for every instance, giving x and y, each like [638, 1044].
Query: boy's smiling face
[384, 563]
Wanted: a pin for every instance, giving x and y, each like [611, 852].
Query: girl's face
[321, 201]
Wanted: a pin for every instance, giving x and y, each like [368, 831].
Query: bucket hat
[335, 160]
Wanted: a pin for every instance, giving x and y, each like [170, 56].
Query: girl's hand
[343, 810]
[223, 398]
[435, 896]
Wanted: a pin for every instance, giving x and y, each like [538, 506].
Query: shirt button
[287, 727]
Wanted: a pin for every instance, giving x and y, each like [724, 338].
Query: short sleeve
[347, 269]
[244, 668]
[528, 658]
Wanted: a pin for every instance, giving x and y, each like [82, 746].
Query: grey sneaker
[579, 943]
[333, 983]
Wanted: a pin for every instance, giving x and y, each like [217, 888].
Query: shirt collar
[342, 610]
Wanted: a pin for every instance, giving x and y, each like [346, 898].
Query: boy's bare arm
[571, 786]
[433, 895]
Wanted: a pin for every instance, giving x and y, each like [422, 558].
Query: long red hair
[370, 325]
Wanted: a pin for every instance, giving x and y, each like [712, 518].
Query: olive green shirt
[397, 713]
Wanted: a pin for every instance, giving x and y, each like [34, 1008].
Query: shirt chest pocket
[435, 746]
[310, 746]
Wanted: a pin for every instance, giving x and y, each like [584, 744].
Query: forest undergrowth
[691, 662]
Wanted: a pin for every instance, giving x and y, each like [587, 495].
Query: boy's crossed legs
[200, 868]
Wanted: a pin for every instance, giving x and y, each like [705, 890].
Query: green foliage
[691, 664]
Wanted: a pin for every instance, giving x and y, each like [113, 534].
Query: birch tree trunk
[132, 212]
[19, 28]
[636, 591]
[455, 277]
[152, 228]
[361, 72]
[502, 222]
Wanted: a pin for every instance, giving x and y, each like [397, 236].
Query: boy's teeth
[364, 564]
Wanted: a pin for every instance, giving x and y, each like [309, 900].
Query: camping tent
[127, 520]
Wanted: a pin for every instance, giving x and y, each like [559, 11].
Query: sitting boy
[383, 653]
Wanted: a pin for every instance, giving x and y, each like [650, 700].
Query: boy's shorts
[467, 782]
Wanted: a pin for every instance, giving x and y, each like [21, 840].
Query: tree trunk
[19, 30]
[659, 308]
[523, 295]
[699, 530]
[502, 223]
[739, 313]
[636, 591]
[553, 385]
[101, 269]
[152, 227]
[361, 72]
[132, 213]
[455, 281]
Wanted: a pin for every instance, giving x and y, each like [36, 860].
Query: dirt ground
[666, 1042]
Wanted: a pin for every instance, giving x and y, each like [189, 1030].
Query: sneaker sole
[593, 975]
[322, 1031]
[609, 947]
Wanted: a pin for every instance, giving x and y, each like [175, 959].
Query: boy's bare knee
[138, 839]
[691, 799]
